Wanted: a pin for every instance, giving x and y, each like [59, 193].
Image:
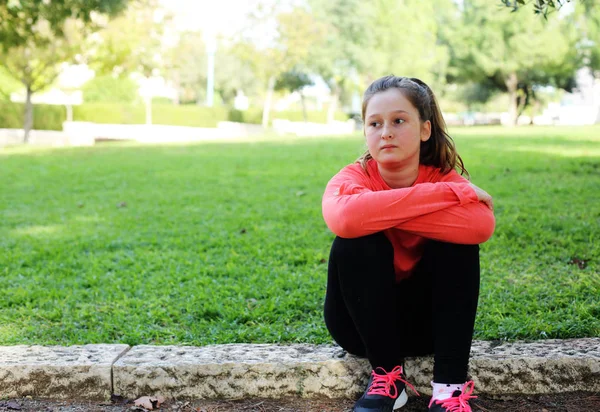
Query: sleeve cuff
[465, 193]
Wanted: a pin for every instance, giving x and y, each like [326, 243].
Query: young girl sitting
[403, 276]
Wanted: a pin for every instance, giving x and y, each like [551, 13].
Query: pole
[211, 48]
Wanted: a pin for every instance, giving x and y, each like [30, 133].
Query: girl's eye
[399, 121]
[374, 124]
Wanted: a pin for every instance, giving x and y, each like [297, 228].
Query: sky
[220, 16]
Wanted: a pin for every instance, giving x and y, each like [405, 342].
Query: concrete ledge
[243, 370]
[539, 367]
[234, 371]
[74, 372]
[238, 370]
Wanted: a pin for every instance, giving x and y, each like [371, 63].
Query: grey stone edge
[233, 371]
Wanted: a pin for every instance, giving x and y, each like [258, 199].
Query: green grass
[224, 242]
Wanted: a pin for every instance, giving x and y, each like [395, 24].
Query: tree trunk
[523, 100]
[69, 112]
[511, 84]
[304, 115]
[148, 110]
[177, 86]
[333, 106]
[28, 121]
[267, 106]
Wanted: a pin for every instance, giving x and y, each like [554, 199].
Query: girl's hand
[483, 196]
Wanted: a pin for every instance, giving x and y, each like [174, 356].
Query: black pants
[371, 315]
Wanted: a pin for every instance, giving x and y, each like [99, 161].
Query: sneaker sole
[401, 400]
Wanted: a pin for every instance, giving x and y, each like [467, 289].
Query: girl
[403, 276]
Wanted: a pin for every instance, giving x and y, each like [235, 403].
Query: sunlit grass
[224, 241]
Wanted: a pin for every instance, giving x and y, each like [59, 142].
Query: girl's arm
[351, 209]
[471, 223]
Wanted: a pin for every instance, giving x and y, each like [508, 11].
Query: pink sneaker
[385, 392]
[458, 402]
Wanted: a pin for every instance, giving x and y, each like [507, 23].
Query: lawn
[224, 242]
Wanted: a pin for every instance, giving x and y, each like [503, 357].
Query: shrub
[109, 89]
[45, 116]
[50, 117]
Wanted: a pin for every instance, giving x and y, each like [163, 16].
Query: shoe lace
[383, 383]
[458, 403]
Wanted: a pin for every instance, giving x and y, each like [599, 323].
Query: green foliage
[253, 115]
[46, 117]
[21, 19]
[344, 53]
[519, 43]
[110, 89]
[475, 95]
[543, 7]
[587, 17]
[131, 42]
[187, 67]
[188, 115]
[221, 244]
[49, 117]
[36, 36]
[109, 113]
[514, 52]
[8, 84]
[293, 80]
[312, 116]
[417, 52]
[184, 115]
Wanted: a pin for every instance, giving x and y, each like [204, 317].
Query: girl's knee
[370, 246]
[451, 257]
[453, 249]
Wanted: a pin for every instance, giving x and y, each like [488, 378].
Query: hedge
[45, 117]
[49, 117]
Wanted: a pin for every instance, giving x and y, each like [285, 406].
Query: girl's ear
[425, 130]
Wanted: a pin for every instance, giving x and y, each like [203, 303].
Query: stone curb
[95, 372]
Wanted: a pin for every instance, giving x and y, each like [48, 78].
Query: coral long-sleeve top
[437, 206]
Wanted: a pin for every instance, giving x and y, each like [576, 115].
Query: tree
[406, 40]
[297, 33]
[37, 35]
[186, 65]
[344, 50]
[514, 52]
[132, 43]
[292, 81]
[233, 74]
[587, 19]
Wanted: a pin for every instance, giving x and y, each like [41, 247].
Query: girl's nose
[386, 133]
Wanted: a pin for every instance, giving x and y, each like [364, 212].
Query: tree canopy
[36, 36]
[20, 19]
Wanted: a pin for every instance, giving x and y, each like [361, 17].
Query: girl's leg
[360, 306]
[455, 292]
[337, 319]
[413, 303]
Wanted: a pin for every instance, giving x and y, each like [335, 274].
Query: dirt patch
[566, 402]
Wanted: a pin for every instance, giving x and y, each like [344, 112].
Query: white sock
[443, 391]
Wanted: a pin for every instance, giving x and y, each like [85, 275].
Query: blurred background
[255, 62]
[224, 241]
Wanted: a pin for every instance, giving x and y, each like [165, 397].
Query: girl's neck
[399, 177]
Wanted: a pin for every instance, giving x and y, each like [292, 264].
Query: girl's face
[394, 130]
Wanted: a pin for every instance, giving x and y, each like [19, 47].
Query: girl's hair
[439, 150]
